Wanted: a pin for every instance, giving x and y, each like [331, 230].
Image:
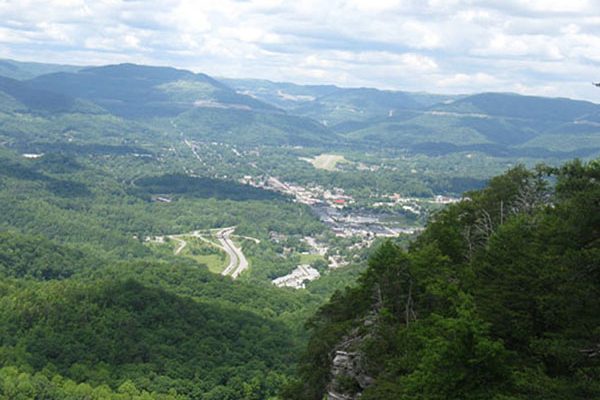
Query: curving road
[237, 260]
[181, 246]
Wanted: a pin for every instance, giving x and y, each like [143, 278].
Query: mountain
[358, 105]
[505, 125]
[497, 124]
[34, 119]
[94, 102]
[260, 112]
[242, 127]
[515, 106]
[20, 96]
[130, 90]
[281, 94]
[334, 105]
[28, 70]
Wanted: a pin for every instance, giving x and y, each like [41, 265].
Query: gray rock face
[349, 364]
[349, 378]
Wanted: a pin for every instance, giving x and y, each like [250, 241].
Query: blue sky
[542, 47]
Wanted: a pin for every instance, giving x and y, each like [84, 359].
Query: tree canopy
[497, 299]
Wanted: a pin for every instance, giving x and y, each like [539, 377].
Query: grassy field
[310, 258]
[327, 161]
[214, 263]
[215, 259]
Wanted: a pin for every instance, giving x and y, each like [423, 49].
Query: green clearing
[214, 263]
[197, 249]
[215, 259]
[327, 161]
[310, 258]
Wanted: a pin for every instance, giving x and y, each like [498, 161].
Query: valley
[178, 236]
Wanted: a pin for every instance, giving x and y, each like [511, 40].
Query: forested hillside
[27, 70]
[148, 213]
[110, 332]
[89, 308]
[497, 299]
[420, 144]
[496, 124]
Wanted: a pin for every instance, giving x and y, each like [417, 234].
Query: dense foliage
[88, 309]
[202, 187]
[71, 325]
[100, 168]
[498, 298]
[111, 332]
[24, 256]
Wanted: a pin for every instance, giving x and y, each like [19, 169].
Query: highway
[237, 260]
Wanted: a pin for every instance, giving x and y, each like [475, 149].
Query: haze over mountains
[141, 98]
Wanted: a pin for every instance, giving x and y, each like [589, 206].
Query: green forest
[126, 189]
[88, 310]
[497, 299]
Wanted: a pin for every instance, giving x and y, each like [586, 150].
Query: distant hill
[21, 96]
[129, 97]
[515, 106]
[498, 124]
[281, 94]
[126, 97]
[334, 105]
[131, 90]
[28, 70]
[244, 127]
[34, 119]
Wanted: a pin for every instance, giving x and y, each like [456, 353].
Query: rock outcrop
[349, 377]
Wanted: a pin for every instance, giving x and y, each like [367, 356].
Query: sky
[539, 47]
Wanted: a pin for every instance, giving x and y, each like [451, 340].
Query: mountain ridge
[279, 113]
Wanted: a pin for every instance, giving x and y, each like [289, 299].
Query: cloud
[469, 80]
[524, 46]
[457, 46]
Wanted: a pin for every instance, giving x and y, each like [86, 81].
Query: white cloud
[469, 80]
[190, 16]
[557, 6]
[530, 46]
[418, 62]
[376, 6]
[525, 46]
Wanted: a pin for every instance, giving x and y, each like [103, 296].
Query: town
[339, 211]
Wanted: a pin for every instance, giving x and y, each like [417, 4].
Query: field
[215, 259]
[199, 250]
[310, 258]
[327, 161]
